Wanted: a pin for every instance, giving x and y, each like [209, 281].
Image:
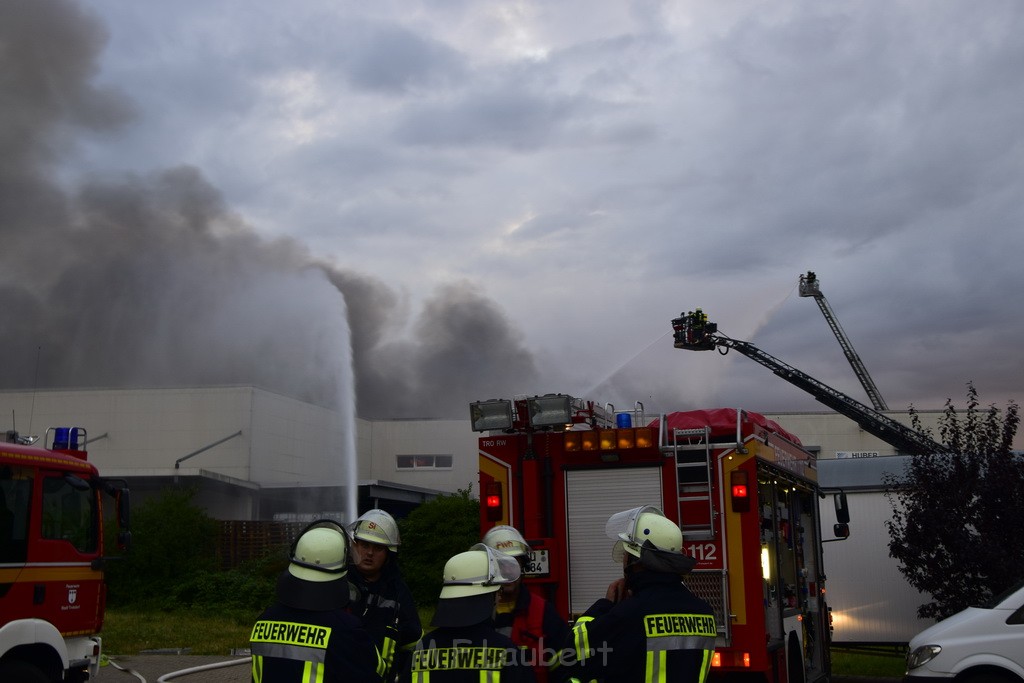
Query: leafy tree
[172, 539]
[431, 534]
[957, 528]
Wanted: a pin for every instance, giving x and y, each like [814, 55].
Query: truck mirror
[842, 509]
[841, 530]
[77, 483]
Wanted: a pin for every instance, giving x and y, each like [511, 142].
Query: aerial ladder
[810, 286]
[694, 332]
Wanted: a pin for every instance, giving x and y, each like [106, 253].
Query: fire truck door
[592, 496]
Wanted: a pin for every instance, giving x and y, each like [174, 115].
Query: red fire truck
[52, 595]
[743, 490]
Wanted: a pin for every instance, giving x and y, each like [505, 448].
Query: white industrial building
[251, 454]
[254, 455]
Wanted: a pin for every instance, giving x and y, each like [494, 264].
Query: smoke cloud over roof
[151, 280]
[484, 200]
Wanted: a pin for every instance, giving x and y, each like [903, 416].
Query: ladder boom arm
[693, 332]
[855, 362]
[810, 287]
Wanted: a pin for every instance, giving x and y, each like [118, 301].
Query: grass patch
[128, 632]
[885, 665]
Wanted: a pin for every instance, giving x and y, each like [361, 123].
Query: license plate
[537, 564]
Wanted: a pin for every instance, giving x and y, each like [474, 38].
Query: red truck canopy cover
[723, 422]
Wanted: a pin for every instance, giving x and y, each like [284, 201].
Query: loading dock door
[592, 496]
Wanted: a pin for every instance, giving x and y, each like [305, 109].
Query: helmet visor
[621, 528]
[622, 525]
[501, 569]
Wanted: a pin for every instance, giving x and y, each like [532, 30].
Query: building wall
[295, 443]
[142, 432]
[393, 438]
[835, 433]
[871, 600]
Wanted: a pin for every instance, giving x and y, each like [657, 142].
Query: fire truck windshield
[69, 512]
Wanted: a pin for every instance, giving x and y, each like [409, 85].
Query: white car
[978, 645]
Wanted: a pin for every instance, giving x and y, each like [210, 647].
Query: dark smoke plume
[151, 281]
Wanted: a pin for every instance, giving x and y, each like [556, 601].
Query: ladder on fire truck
[691, 450]
[694, 332]
[810, 286]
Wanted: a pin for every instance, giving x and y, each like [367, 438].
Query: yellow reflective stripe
[705, 667]
[257, 669]
[387, 654]
[656, 666]
[581, 638]
[313, 672]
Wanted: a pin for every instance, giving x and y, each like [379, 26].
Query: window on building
[424, 462]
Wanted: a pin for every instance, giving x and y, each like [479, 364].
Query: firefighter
[464, 646]
[649, 627]
[529, 620]
[307, 635]
[381, 598]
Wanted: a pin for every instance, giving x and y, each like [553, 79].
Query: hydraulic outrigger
[694, 332]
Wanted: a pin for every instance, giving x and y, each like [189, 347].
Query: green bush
[431, 534]
[172, 563]
[249, 588]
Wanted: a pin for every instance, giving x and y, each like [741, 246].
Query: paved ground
[150, 668]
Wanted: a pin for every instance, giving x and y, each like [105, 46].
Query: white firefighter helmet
[506, 539]
[320, 554]
[377, 526]
[633, 529]
[480, 569]
[471, 580]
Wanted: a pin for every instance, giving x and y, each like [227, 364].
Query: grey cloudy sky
[515, 197]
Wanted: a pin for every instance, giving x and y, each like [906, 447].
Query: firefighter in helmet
[308, 635]
[529, 620]
[464, 646]
[381, 598]
[649, 627]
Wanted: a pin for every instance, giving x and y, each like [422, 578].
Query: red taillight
[738, 483]
[493, 502]
[733, 660]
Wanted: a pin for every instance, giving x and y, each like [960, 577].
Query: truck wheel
[794, 660]
[23, 672]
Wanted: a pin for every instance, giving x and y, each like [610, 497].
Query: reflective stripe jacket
[474, 654]
[291, 645]
[661, 633]
[387, 611]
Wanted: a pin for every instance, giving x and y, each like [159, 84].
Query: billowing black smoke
[151, 281]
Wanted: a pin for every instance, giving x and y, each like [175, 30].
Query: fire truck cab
[743, 490]
[52, 595]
